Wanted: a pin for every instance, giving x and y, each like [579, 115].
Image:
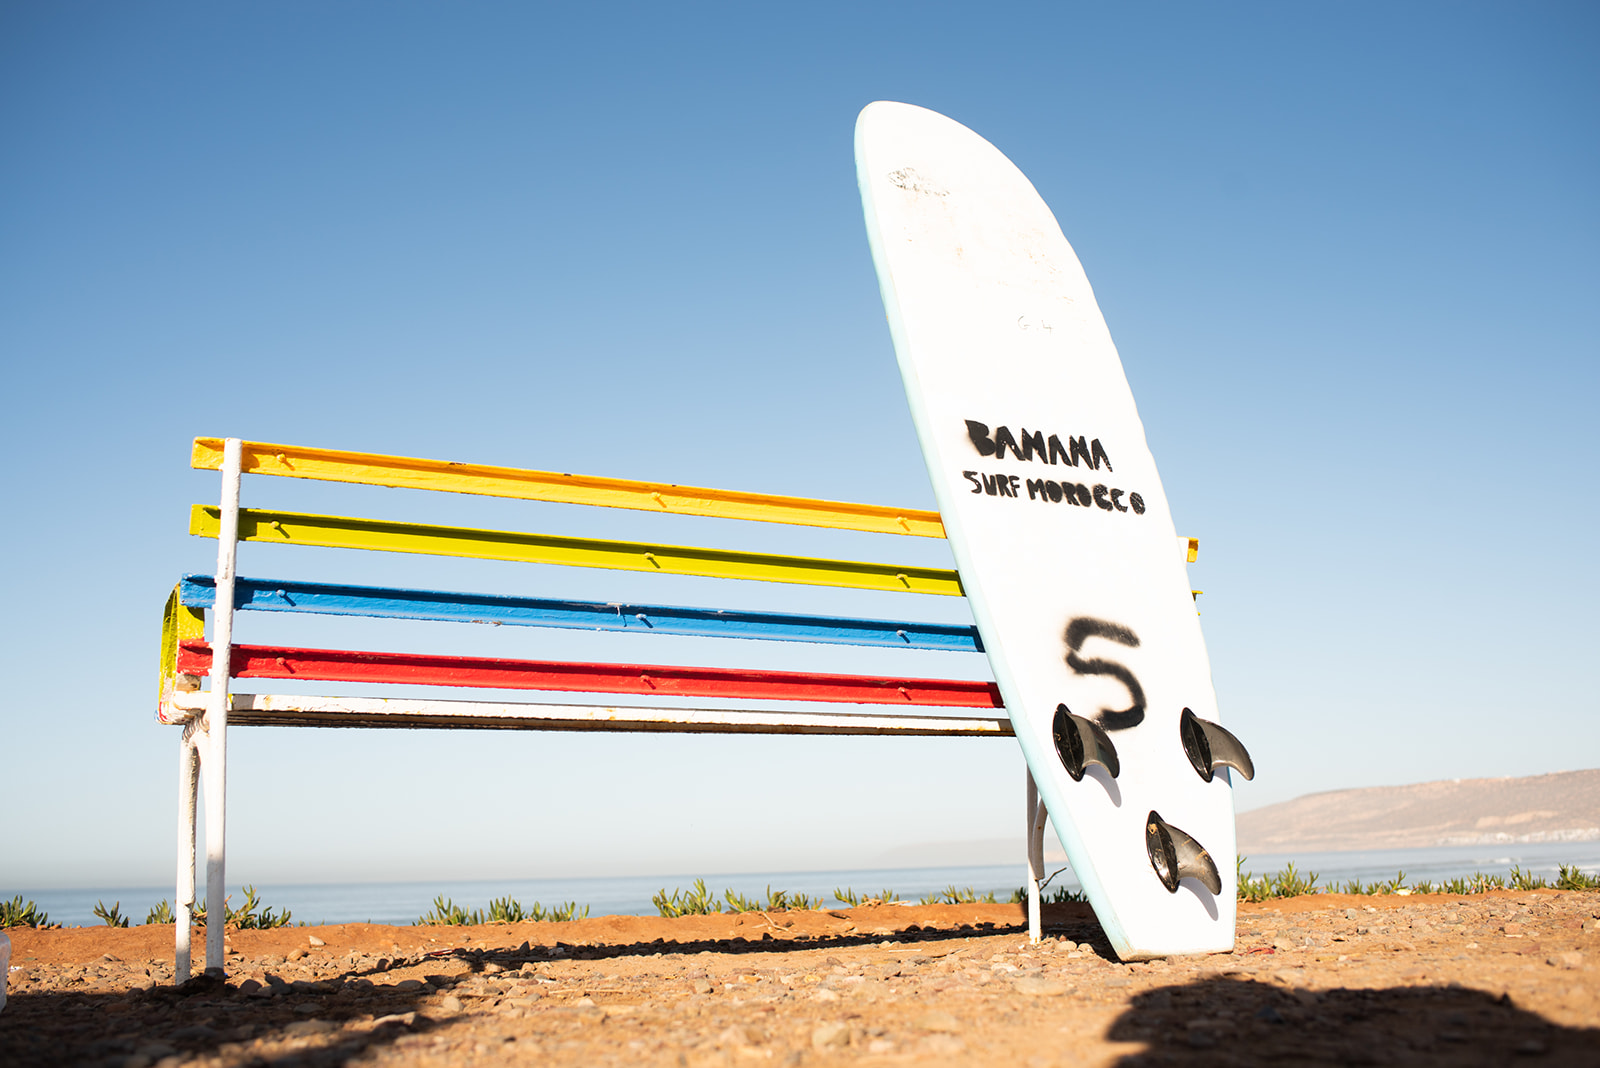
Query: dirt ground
[1501, 978]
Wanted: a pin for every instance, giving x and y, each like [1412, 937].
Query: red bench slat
[657, 680]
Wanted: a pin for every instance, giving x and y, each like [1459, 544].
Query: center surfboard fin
[1210, 746]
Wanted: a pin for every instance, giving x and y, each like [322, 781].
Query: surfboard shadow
[1227, 1020]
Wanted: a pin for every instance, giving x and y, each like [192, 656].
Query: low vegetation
[446, 913]
[14, 913]
[848, 896]
[249, 916]
[700, 901]
[111, 917]
[1291, 883]
[952, 895]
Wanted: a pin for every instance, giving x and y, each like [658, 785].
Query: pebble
[1038, 987]
[309, 1027]
[734, 1036]
[830, 1036]
[451, 1003]
[314, 940]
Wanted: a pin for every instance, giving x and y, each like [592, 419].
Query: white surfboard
[1059, 526]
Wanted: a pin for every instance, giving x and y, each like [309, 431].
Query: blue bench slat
[283, 595]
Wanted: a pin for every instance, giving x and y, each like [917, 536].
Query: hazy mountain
[1562, 807]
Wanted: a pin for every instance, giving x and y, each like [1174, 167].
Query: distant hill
[1562, 807]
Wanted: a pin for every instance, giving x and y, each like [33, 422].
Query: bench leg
[214, 763]
[183, 899]
[1035, 857]
[214, 754]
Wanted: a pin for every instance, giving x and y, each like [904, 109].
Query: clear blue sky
[1348, 253]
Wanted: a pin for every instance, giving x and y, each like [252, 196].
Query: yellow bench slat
[374, 469]
[344, 532]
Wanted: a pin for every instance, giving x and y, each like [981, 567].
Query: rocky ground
[1500, 978]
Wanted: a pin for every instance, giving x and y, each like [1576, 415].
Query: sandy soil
[1493, 979]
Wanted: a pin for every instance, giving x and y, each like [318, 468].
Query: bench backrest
[185, 656]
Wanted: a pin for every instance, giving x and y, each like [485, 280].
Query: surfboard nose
[1081, 742]
[1175, 855]
[1210, 746]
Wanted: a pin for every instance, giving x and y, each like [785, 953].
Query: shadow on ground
[1227, 1021]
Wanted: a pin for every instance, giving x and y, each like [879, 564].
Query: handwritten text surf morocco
[1031, 446]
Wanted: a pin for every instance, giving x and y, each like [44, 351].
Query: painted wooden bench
[897, 706]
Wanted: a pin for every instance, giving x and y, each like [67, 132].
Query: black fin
[1210, 746]
[1175, 856]
[1081, 742]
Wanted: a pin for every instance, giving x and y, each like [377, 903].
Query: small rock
[451, 1003]
[250, 986]
[314, 940]
[492, 968]
[825, 994]
[408, 986]
[830, 1036]
[309, 1027]
[733, 1036]
[939, 1021]
[296, 954]
[400, 1019]
[703, 986]
[1039, 988]
[1570, 959]
[110, 956]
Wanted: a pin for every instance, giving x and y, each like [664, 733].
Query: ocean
[404, 902]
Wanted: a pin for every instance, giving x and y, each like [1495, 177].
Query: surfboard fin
[1175, 856]
[1210, 746]
[1081, 742]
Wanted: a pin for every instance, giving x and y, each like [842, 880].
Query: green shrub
[112, 917]
[1571, 878]
[699, 902]
[776, 899]
[1059, 896]
[849, 897]
[1525, 880]
[14, 913]
[446, 913]
[161, 913]
[950, 895]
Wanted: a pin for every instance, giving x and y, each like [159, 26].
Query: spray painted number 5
[1081, 630]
